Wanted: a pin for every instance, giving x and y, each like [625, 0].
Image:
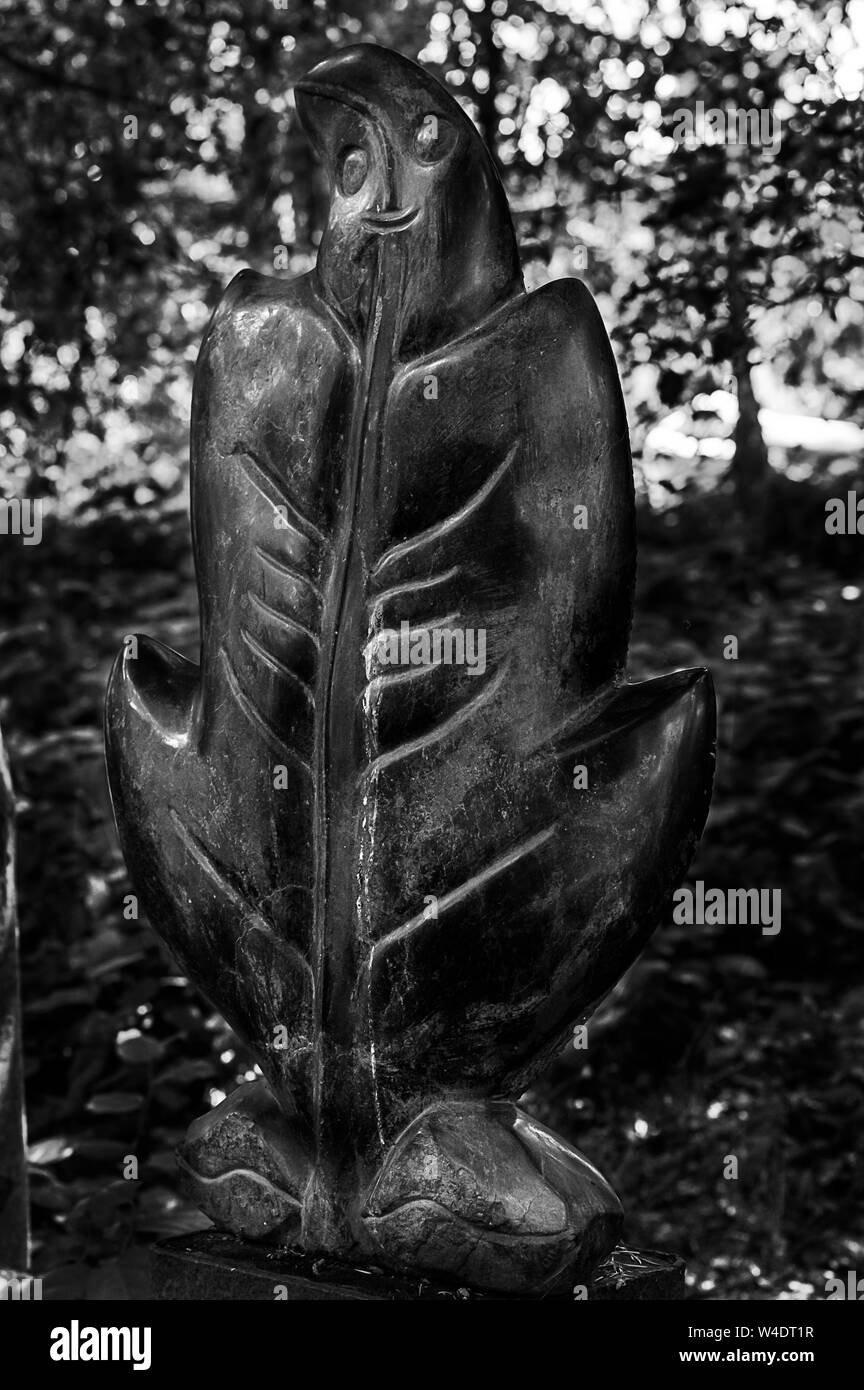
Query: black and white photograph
[431, 675]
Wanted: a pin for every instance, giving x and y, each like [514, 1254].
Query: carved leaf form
[384, 875]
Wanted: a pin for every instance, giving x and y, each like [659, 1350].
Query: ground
[722, 1089]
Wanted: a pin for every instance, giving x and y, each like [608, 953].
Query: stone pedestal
[211, 1265]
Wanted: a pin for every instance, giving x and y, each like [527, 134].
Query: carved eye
[433, 139]
[352, 170]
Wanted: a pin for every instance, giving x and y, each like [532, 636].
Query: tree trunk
[750, 467]
[491, 58]
[14, 1225]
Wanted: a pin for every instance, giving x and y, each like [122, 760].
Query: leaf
[137, 1049]
[47, 1151]
[114, 1103]
[59, 999]
[162, 1213]
[745, 966]
[107, 1153]
[195, 1069]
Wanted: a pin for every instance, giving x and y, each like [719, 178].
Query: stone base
[211, 1265]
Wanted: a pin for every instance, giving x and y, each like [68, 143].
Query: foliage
[720, 1041]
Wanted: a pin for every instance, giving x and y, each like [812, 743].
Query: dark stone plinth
[212, 1265]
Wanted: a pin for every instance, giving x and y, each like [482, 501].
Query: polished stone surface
[393, 880]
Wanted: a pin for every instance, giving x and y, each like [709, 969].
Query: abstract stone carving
[390, 878]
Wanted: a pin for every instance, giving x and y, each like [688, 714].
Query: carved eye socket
[433, 139]
[352, 170]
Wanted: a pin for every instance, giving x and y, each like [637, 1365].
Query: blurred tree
[151, 151]
[741, 233]
[534, 81]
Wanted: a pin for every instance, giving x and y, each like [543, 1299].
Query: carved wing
[504, 503]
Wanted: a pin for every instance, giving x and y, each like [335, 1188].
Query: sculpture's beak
[351, 79]
[311, 90]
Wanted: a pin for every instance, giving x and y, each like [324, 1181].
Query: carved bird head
[418, 219]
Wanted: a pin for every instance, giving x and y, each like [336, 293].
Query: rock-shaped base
[244, 1168]
[483, 1194]
[473, 1192]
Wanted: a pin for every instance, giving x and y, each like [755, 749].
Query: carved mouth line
[383, 222]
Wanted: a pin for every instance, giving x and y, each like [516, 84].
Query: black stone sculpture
[392, 879]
